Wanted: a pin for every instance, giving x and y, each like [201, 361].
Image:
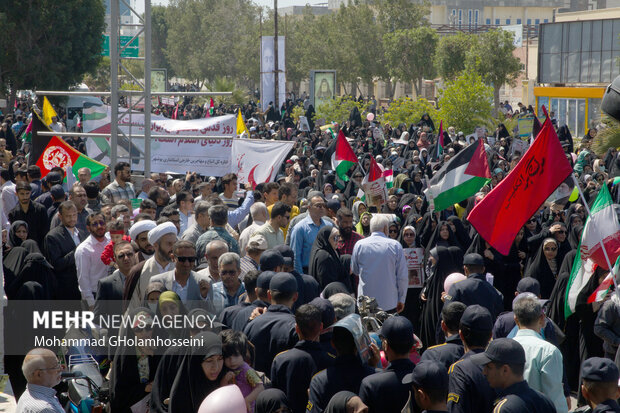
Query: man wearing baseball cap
[429, 386]
[476, 289]
[384, 391]
[504, 363]
[600, 384]
[469, 390]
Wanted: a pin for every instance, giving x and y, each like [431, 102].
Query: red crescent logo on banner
[251, 177]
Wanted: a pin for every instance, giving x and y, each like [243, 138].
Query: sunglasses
[551, 249]
[186, 259]
[531, 221]
[123, 256]
[393, 231]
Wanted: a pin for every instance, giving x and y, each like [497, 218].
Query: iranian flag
[343, 157]
[579, 277]
[58, 153]
[601, 292]
[601, 232]
[460, 178]
[440, 142]
[388, 174]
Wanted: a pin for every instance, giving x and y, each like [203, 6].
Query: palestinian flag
[440, 142]
[579, 277]
[460, 178]
[341, 156]
[58, 153]
[27, 136]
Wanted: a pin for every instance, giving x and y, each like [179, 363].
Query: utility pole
[275, 51]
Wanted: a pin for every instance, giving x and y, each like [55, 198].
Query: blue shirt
[39, 399]
[302, 238]
[221, 299]
[380, 263]
[235, 216]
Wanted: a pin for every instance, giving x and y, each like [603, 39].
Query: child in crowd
[116, 228]
[235, 348]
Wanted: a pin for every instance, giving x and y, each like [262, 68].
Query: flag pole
[585, 204]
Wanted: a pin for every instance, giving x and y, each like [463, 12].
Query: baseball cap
[328, 315]
[428, 374]
[397, 329]
[287, 252]
[57, 192]
[271, 259]
[501, 350]
[334, 205]
[258, 242]
[529, 285]
[264, 279]
[599, 369]
[473, 259]
[53, 178]
[283, 282]
[478, 318]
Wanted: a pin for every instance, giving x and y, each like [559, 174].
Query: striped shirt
[114, 192]
[39, 399]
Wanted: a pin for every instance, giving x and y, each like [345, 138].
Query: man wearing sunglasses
[42, 371]
[194, 289]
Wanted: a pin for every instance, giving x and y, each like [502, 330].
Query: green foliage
[451, 54]
[159, 37]
[49, 44]
[298, 111]
[490, 123]
[608, 137]
[396, 15]
[408, 111]
[465, 102]
[491, 57]
[409, 54]
[338, 110]
[99, 77]
[223, 84]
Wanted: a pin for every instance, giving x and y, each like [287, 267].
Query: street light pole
[275, 50]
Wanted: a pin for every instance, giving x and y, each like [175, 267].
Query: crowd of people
[282, 266]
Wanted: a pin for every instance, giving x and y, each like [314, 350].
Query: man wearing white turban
[139, 234]
[162, 237]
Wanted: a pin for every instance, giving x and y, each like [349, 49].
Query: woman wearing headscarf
[545, 267]
[442, 263]
[359, 207]
[462, 236]
[426, 120]
[565, 137]
[425, 227]
[200, 373]
[574, 227]
[272, 401]
[325, 265]
[310, 117]
[34, 268]
[609, 157]
[355, 118]
[170, 306]
[442, 236]
[18, 233]
[408, 239]
[363, 226]
[134, 367]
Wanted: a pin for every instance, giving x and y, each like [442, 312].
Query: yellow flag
[48, 111]
[241, 125]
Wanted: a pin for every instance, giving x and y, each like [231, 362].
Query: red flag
[501, 214]
[175, 114]
[374, 171]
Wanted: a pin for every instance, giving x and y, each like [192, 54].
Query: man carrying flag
[501, 214]
[341, 156]
[59, 153]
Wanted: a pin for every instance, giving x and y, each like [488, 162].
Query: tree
[159, 37]
[396, 15]
[48, 44]
[409, 54]
[408, 111]
[450, 54]
[465, 102]
[338, 110]
[99, 78]
[491, 57]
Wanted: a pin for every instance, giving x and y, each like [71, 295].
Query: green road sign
[133, 50]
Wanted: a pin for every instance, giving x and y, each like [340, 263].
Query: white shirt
[8, 196]
[246, 235]
[75, 234]
[90, 268]
[181, 291]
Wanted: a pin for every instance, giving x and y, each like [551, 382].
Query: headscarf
[334, 288]
[338, 402]
[541, 270]
[446, 264]
[355, 210]
[191, 386]
[325, 265]
[401, 237]
[461, 233]
[359, 228]
[270, 401]
[14, 240]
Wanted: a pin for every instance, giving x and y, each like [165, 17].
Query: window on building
[518, 21]
[488, 22]
[497, 22]
[537, 21]
[546, 21]
[529, 22]
[507, 21]
[460, 17]
[453, 19]
[476, 16]
[469, 17]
